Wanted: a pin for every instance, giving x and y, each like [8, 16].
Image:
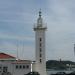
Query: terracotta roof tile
[5, 56]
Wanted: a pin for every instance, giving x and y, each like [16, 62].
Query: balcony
[40, 27]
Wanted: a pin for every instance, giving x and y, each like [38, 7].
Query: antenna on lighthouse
[17, 50]
[74, 49]
[40, 13]
[23, 51]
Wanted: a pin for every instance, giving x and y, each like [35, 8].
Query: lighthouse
[40, 28]
[74, 49]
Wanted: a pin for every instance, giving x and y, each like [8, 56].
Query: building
[39, 28]
[10, 66]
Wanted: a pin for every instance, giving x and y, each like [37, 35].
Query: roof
[6, 56]
[22, 62]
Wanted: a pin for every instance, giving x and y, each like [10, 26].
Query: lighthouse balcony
[40, 27]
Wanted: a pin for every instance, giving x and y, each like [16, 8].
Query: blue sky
[17, 19]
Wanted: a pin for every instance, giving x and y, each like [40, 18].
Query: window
[16, 66]
[27, 66]
[0, 67]
[23, 66]
[40, 55]
[40, 60]
[40, 50]
[40, 39]
[20, 66]
[5, 69]
[40, 44]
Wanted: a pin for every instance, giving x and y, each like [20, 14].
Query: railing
[40, 26]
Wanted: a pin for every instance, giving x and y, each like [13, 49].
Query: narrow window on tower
[40, 50]
[40, 44]
[40, 55]
[40, 39]
[40, 60]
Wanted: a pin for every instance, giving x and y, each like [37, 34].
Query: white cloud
[15, 37]
[60, 18]
[61, 32]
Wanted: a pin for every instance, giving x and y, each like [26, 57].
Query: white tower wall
[40, 46]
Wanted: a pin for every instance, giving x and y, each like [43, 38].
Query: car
[33, 73]
[59, 73]
[72, 73]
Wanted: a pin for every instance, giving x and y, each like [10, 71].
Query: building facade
[10, 66]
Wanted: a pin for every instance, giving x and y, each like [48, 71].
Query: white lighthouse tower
[40, 29]
[74, 49]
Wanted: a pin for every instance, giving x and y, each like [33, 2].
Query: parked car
[33, 73]
[72, 73]
[59, 73]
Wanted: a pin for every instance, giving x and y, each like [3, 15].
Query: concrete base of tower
[41, 69]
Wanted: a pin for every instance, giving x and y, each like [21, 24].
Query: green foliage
[54, 64]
